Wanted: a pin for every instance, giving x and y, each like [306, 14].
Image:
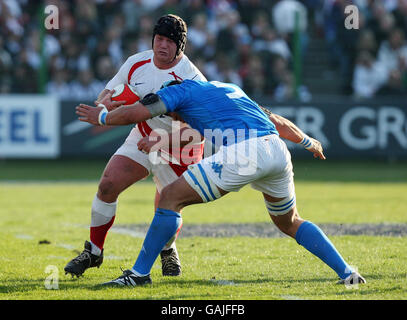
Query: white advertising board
[29, 126]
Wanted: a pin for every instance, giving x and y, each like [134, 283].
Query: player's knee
[107, 190]
[169, 199]
[166, 195]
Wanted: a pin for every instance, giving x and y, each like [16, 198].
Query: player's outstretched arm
[149, 107]
[123, 115]
[291, 132]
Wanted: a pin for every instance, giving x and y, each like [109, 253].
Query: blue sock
[312, 238]
[163, 227]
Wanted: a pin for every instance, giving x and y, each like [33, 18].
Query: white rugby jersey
[140, 71]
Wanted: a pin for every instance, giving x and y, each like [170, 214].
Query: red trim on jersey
[176, 77]
[144, 128]
[179, 170]
[194, 153]
[135, 67]
[141, 131]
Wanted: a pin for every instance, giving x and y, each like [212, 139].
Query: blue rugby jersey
[217, 107]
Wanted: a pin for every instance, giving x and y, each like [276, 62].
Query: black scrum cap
[174, 28]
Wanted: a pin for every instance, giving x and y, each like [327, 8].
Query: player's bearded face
[164, 49]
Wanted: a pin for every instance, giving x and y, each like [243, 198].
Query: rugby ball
[125, 92]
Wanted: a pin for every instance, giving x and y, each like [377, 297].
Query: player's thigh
[279, 191]
[125, 170]
[120, 173]
[129, 149]
[194, 186]
[127, 166]
[229, 169]
[178, 195]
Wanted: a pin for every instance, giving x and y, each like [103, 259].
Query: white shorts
[163, 174]
[263, 162]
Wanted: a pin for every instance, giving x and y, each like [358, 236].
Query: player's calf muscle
[289, 222]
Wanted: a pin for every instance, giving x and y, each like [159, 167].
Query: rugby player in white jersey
[146, 71]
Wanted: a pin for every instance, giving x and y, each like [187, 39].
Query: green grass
[213, 268]
[24, 203]
[235, 268]
[308, 170]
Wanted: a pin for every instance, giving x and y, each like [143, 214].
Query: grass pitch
[44, 222]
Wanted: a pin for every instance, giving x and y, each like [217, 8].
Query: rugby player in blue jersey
[249, 151]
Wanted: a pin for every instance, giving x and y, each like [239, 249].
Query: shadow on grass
[187, 284]
[234, 282]
[21, 285]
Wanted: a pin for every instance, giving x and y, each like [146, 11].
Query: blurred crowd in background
[373, 61]
[247, 42]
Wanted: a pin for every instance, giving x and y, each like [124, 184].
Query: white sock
[102, 212]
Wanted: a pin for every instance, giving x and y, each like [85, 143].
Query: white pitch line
[116, 229]
[60, 245]
[65, 246]
[24, 236]
[128, 232]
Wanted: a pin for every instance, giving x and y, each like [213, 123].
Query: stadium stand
[248, 42]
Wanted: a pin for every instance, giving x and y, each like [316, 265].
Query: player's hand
[150, 143]
[317, 149]
[106, 91]
[109, 104]
[88, 114]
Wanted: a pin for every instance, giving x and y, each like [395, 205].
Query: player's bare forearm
[288, 130]
[123, 115]
[128, 115]
[285, 127]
